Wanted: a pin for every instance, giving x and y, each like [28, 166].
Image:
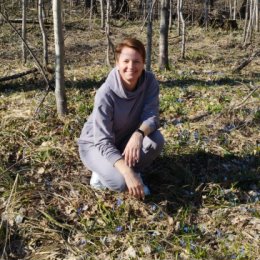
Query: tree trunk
[178, 18]
[108, 32]
[170, 15]
[183, 32]
[90, 14]
[206, 13]
[249, 28]
[235, 10]
[230, 9]
[256, 16]
[246, 20]
[102, 17]
[60, 94]
[24, 53]
[149, 36]
[164, 30]
[43, 31]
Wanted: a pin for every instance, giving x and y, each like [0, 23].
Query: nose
[131, 64]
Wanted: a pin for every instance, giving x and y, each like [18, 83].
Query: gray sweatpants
[108, 174]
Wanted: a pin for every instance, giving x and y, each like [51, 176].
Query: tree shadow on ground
[37, 83]
[23, 85]
[178, 181]
[191, 81]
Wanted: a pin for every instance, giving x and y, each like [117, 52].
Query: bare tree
[206, 13]
[170, 15]
[234, 10]
[107, 29]
[257, 16]
[183, 31]
[164, 30]
[178, 18]
[102, 17]
[43, 31]
[60, 94]
[149, 35]
[90, 14]
[250, 21]
[24, 53]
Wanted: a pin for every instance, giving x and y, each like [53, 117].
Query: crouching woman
[121, 136]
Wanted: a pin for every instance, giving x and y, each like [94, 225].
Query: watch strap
[140, 131]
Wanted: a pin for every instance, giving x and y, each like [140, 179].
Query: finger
[131, 158]
[127, 159]
[137, 155]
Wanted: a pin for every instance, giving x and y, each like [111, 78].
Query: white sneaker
[146, 189]
[95, 182]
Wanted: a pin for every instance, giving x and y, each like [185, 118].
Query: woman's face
[130, 65]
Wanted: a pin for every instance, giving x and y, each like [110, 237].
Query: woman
[120, 138]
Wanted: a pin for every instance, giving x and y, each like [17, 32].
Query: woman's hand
[132, 150]
[133, 181]
[134, 185]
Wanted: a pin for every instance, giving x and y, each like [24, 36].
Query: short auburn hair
[130, 43]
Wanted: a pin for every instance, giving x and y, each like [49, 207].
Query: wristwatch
[140, 131]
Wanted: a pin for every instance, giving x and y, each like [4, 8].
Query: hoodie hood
[115, 85]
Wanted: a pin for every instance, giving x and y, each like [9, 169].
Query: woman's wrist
[140, 132]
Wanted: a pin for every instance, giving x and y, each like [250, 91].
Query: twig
[248, 96]
[199, 116]
[246, 62]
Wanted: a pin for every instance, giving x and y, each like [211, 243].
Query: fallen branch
[247, 97]
[16, 76]
[30, 21]
[246, 62]
[199, 116]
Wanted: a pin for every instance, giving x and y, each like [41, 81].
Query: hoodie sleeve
[104, 138]
[150, 113]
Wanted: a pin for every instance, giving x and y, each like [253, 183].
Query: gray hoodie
[118, 113]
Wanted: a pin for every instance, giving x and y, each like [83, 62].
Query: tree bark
[108, 32]
[24, 53]
[90, 14]
[257, 17]
[249, 29]
[246, 20]
[178, 18]
[170, 15]
[43, 31]
[206, 13]
[164, 30]
[102, 17]
[183, 32]
[149, 35]
[60, 94]
[235, 10]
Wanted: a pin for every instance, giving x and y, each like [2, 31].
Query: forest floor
[205, 185]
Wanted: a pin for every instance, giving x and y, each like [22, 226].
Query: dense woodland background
[54, 55]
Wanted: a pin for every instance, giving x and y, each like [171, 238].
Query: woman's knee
[157, 140]
[116, 183]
